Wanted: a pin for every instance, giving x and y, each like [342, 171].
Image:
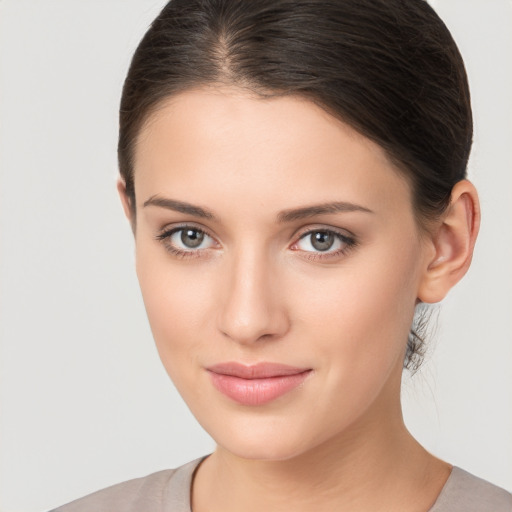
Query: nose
[252, 307]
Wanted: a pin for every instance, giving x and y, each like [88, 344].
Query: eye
[325, 241]
[318, 241]
[186, 239]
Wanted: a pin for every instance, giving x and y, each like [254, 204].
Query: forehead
[225, 140]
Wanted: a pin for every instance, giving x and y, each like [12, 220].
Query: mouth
[256, 384]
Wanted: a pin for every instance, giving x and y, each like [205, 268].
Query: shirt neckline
[179, 492]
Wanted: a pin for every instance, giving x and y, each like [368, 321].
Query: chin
[265, 439]
[264, 451]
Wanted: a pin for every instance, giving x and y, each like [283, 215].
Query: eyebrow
[320, 209]
[283, 216]
[180, 206]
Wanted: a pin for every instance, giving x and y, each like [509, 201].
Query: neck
[374, 465]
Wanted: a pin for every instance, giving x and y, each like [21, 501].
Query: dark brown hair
[388, 68]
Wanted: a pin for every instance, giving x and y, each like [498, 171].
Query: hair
[388, 68]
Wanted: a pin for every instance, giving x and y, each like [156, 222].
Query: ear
[126, 202]
[453, 243]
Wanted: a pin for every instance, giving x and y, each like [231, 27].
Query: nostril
[250, 309]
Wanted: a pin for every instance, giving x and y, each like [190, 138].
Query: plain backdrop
[85, 402]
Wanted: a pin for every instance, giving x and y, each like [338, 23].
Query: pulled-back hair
[388, 68]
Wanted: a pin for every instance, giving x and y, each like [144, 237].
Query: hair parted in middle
[388, 68]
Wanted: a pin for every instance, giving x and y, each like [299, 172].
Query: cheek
[177, 304]
[360, 312]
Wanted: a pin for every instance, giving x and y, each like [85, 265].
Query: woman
[294, 174]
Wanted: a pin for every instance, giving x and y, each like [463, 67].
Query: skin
[258, 290]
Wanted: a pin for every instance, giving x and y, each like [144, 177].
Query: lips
[256, 384]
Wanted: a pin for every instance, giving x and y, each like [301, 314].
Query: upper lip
[255, 371]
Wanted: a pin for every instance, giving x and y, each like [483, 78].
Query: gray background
[84, 400]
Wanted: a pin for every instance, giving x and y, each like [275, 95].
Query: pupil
[322, 241]
[192, 237]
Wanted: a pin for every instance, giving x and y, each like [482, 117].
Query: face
[279, 261]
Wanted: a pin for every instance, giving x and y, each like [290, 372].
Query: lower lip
[257, 391]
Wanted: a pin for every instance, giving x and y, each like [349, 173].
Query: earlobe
[125, 201]
[453, 244]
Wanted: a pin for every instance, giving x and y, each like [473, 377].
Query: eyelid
[172, 228]
[322, 227]
[164, 235]
[349, 242]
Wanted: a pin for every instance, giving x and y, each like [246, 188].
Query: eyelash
[166, 234]
[348, 242]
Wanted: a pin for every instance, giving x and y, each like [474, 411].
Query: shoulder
[170, 488]
[122, 496]
[465, 492]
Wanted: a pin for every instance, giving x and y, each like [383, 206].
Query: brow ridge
[282, 217]
[179, 206]
[320, 209]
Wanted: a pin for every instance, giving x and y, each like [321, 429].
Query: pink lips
[256, 384]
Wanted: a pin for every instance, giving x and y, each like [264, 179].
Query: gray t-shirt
[169, 491]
